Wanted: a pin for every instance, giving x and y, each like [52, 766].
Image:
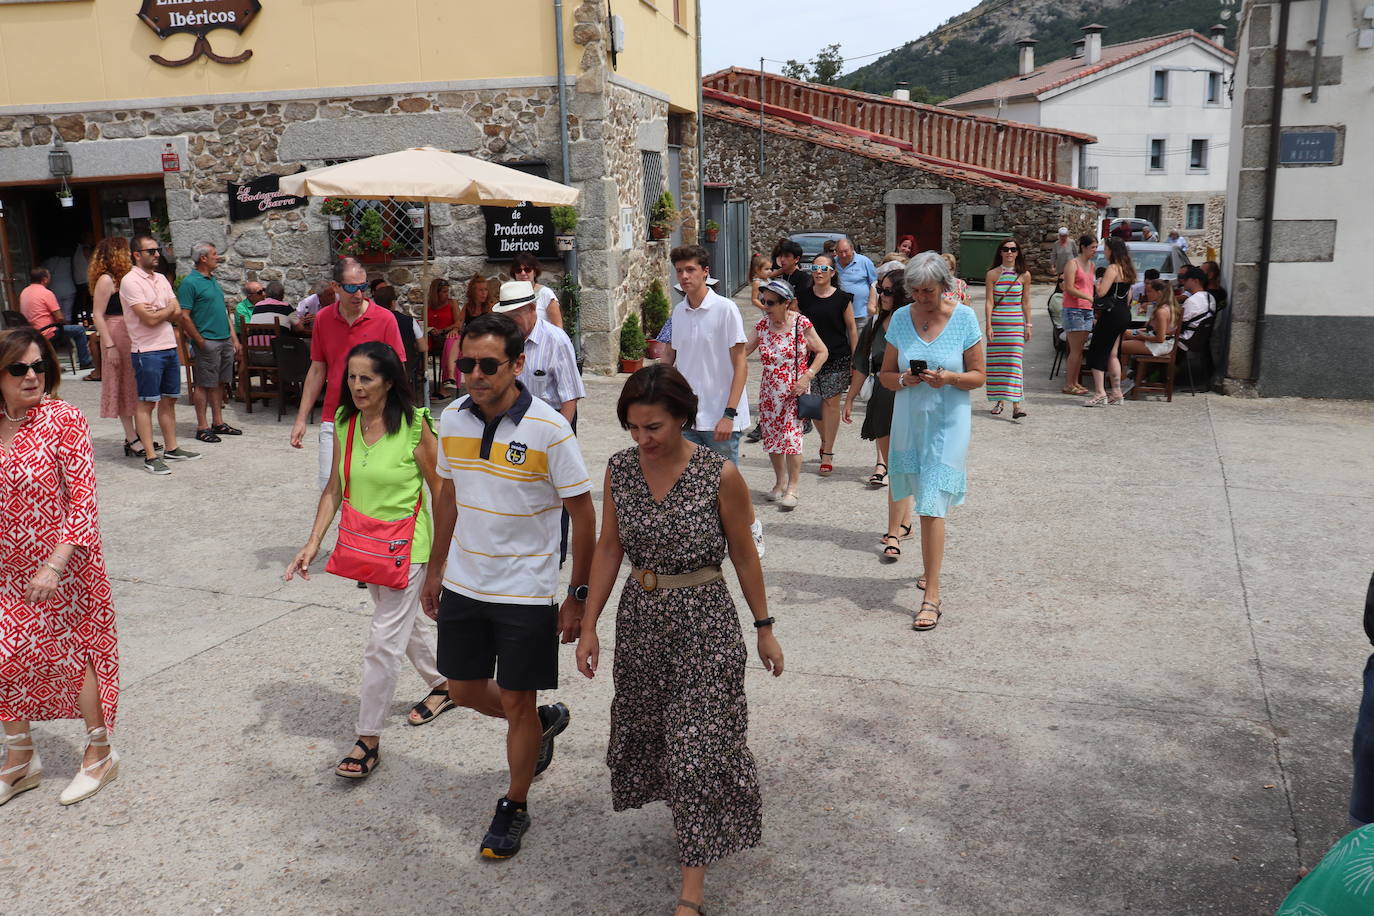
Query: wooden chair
[1142, 362]
[293, 364]
[259, 359]
[1061, 347]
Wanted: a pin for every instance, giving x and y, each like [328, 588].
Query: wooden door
[925, 221]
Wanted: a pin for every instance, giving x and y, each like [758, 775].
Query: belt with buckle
[651, 581]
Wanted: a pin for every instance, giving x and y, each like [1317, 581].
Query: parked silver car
[1137, 227]
[1161, 256]
[813, 242]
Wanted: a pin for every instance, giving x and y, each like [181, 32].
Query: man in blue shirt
[857, 276]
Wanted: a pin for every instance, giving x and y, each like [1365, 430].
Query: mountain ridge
[979, 47]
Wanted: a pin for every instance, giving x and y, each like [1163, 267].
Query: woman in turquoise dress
[932, 413]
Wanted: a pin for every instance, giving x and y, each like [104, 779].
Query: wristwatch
[731, 413]
[579, 592]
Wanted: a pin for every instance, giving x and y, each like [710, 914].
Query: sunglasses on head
[488, 364]
[353, 287]
[19, 370]
[1007, 248]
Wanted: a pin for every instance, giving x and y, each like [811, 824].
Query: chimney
[1092, 43]
[1026, 48]
[1218, 33]
[903, 92]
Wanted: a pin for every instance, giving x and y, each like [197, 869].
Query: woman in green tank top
[393, 457]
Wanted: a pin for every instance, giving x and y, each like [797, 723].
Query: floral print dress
[679, 717]
[778, 352]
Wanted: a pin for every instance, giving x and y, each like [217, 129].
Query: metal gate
[734, 234]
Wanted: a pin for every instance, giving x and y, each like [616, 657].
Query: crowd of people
[509, 491]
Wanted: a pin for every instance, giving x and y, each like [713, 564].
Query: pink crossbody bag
[368, 549]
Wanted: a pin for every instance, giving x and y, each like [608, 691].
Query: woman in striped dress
[1007, 311]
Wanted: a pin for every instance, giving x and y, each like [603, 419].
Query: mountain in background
[979, 47]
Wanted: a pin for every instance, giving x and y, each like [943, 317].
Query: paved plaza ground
[1139, 699]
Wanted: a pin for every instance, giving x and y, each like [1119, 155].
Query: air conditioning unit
[1089, 182]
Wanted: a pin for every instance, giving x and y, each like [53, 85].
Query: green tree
[827, 64]
[795, 71]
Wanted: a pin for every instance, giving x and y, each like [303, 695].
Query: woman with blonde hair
[1157, 337]
[479, 302]
[118, 391]
[960, 289]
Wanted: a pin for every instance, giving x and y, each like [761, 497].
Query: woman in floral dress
[782, 338]
[59, 658]
[679, 716]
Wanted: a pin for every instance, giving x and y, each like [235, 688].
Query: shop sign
[513, 230]
[259, 196]
[198, 17]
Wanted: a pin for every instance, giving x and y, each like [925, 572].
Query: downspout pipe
[569, 259]
[1320, 45]
[701, 139]
[1270, 189]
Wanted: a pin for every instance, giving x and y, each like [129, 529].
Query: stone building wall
[220, 143]
[808, 186]
[1174, 215]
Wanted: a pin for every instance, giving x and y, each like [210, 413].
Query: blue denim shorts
[1078, 319]
[727, 448]
[157, 374]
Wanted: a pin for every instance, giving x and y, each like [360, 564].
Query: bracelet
[765, 622]
[57, 569]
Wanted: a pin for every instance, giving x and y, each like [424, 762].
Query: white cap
[1063, 230]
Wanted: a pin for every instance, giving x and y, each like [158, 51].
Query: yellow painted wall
[97, 50]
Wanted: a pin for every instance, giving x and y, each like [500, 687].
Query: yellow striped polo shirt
[510, 476]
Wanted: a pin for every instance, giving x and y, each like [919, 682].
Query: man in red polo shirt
[339, 328]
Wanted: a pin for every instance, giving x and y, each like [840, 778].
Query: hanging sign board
[258, 196]
[198, 17]
[513, 230]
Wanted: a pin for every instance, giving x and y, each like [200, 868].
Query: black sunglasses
[19, 370]
[488, 364]
[1007, 248]
[884, 291]
[148, 251]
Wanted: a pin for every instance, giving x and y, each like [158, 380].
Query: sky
[737, 32]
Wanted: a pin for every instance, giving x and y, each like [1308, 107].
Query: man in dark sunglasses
[339, 328]
[148, 298]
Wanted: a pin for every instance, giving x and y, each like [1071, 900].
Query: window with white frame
[1159, 87]
[1156, 153]
[1197, 216]
[1197, 154]
[1213, 88]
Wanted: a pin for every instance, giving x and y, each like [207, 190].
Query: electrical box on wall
[617, 35]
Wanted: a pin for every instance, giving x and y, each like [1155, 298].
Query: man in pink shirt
[339, 328]
[42, 310]
[148, 297]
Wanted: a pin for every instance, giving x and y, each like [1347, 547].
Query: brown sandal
[927, 624]
[699, 908]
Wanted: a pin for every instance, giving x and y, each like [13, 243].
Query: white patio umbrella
[431, 176]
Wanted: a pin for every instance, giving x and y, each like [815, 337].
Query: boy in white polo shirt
[509, 462]
[708, 349]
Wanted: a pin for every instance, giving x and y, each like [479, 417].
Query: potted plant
[631, 344]
[374, 247]
[654, 305]
[64, 196]
[564, 227]
[663, 216]
[336, 208]
[416, 216]
[712, 230]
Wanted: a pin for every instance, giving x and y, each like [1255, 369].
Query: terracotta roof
[721, 78]
[800, 126]
[1069, 69]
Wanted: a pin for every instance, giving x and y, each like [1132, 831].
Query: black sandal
[206, 435]
[364, 767]
[926, 608]
[426, 714]
[698, 908]
[877, 479]
[890, 551]
[134, 449]
[906, 533]
[1017, 413]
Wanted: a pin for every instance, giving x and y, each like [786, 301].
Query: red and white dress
[47, 497]
[778, 351]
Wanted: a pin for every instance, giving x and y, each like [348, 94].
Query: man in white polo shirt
[708, 349]
[508, 462]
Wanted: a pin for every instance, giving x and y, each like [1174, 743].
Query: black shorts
[518, 643]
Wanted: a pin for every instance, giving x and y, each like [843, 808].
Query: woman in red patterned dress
[782, 338]
[58, 655]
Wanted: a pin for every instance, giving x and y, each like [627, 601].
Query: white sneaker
[756, 530]
[84, 785]
[33, 769]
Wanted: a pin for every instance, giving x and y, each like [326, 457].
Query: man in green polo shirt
[213, 343]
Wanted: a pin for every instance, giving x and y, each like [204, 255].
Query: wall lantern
[59, 160]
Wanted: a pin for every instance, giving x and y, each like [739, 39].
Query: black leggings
[1110, 325]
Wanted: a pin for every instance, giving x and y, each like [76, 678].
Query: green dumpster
[976, 253]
